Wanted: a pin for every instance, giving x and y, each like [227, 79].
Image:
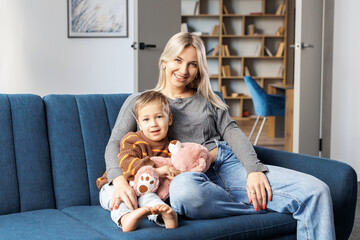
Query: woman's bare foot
[131, 220]
[168, 215]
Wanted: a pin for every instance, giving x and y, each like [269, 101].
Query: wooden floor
[275, 143]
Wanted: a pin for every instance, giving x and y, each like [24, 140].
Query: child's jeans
[221, 192]
[147, 200]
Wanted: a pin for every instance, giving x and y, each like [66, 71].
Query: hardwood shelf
[209, 36]
[266, 15]
[200, 15]
[250, 36]
[249, 15]
[240, 40]
[237, 98]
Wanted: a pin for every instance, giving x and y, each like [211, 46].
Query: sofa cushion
[238, 227]
[25, 171]
[44, 224]
[79, 128]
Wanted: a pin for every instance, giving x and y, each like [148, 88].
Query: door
[155, 22]
[308, 76]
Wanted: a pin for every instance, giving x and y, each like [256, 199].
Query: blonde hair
[201, 83]
[152, 96]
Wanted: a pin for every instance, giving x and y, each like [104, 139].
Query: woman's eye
[177, 60]
[159, 116]
[193, 64]
[145, 119]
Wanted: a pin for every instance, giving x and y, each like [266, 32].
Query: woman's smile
[180, 77]
[182, 70]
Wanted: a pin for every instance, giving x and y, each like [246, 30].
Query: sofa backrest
[25, 171]
[79, 128]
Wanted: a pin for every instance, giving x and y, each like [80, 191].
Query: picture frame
[97, 19]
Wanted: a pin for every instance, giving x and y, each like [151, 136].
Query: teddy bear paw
[146, 183]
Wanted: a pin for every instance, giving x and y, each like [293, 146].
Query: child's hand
[167, 172]
[173, 173]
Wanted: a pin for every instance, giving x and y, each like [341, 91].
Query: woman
[237, 182]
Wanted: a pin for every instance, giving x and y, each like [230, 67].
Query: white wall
[345, 125]
[37, 57]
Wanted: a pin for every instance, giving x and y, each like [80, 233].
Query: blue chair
[266, 105]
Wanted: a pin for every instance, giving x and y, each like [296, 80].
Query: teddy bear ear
[174, 146]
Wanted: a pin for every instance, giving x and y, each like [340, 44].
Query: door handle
[301, 46]
[307, 45]
[142, 46]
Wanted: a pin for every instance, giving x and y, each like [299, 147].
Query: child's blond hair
[152, 96]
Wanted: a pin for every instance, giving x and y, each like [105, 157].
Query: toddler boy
[153, 116]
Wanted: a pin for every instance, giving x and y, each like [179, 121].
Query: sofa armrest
[340, 177]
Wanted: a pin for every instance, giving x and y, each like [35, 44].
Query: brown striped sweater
[135, 152]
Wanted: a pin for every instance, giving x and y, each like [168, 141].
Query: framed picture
[94, 18]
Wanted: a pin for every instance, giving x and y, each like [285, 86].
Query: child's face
[153, 121]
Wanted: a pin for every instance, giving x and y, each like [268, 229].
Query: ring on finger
[252, 192]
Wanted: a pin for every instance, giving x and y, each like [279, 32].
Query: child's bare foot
[168, 215]
[131, 220]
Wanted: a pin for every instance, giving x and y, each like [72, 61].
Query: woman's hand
[123, 193]
[167, 172]
[256, 184]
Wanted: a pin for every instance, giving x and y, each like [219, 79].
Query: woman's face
[182, 70]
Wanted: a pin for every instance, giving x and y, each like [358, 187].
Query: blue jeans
[224, 185]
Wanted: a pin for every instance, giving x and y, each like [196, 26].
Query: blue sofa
[51, 152]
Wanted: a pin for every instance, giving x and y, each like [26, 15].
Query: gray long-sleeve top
[195, 119]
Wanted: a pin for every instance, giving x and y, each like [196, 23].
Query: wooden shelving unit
[251, 30]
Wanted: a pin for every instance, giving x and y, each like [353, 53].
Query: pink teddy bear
[186, 157]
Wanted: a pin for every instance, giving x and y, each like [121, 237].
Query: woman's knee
[187, 184]
[186, 191]
[321, 189]
[316, 190]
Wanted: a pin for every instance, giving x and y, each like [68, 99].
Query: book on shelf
[281, 71]
[215, 51]
[279, 9]
[227, 52]
[224, 29]
[184, 27]
[280, 50]
[247, 71]
[197, 8]
[258, 50]
[225, 70]
[251, 29]
[225, 10]
[256, 13]
[280, 31]
[222, 50]
[223, 91]
[215, 30]
[268, 52]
